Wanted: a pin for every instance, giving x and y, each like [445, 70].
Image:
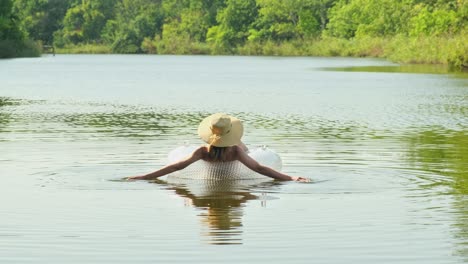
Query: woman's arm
[196, 155]
[252, 164]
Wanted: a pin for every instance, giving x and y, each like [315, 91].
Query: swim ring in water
[231, 170]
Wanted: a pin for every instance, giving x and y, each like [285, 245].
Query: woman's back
[220, 154]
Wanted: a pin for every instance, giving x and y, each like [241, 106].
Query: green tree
[445, 18]
[179, 34]
[135, 20]
[185, 26]
[290, 19]
[73, 31]
[85, 22]
[355, 18]
[13, 41]
[9, 28]
[211, 9]
[234, 23]
[41, 18]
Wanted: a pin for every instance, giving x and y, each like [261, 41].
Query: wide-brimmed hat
[221, 130]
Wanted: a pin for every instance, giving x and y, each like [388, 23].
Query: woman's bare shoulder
[238, 150]
[202, 150]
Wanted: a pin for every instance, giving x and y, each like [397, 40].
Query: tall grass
[451, 51]
[84, 49]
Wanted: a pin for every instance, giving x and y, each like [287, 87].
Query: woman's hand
[300, 179]
[132, 178]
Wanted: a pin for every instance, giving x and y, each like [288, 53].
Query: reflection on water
[410, 68]
[442, 152]
[445, 152]
[6, 101]
[221, 204]
[460, 206]
[4, 117]
[133, 122]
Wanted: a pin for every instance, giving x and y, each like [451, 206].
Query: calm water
[386, 147]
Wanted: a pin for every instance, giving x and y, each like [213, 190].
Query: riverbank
[451, 51]
[19, 48]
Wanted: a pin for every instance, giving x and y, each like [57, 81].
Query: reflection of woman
[221, 205]
[223, 134]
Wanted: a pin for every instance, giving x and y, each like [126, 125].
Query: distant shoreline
[450, 51]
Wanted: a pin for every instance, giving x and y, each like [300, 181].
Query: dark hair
[216, 153]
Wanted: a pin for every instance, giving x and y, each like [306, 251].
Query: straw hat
[221, 130]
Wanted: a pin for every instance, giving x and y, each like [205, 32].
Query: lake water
[386, 148]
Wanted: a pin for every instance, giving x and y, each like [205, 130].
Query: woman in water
[223, 134]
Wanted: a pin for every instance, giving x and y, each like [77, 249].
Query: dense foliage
[13, 41]
[233, 26]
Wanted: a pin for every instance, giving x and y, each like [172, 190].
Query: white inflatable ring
[232, 170]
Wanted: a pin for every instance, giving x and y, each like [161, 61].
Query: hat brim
[230, 139]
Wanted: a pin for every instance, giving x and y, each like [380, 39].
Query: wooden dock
[48, 49]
